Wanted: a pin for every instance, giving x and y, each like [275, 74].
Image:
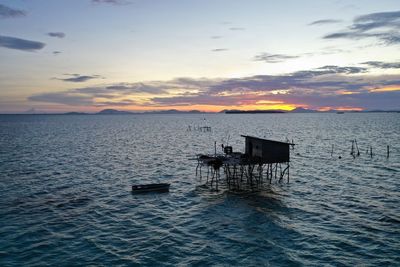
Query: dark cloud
[78, 78]
[273, 58]
[383, 65]
[136, 88]
[56, 34]
[337, 35]
[331, 69]
[20, 44]
[8, 12]
[384, 26]
[56, 52]
[324, 21]
[65, 97]
[88, 96]
[376, 20]
[219, 50]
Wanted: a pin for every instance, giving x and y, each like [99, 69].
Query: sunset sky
[210, 55]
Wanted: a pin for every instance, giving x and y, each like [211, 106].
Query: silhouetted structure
[263, 161]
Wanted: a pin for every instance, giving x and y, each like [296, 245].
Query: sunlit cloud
[391, 88]
[328, 86]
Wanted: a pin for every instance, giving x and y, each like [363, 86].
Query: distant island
[170, 111]
[252, 111]
[124, 112]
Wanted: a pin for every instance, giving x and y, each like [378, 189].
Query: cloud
[66, 98]
[109, 95]
[113, 2]
[20, 44]
[237, 29]
[219, 50]
[136, 88]
[326, 86]
[56, 52]
[216, 37]
[273, 58]
[8, 12]
[77, 78]
[331, 69]
[384, 26]
[383, 65]
[325, 21]
[377, 20]
[56, 34]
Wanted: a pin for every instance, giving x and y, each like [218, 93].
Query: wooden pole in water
[358, 151]
[215, 148]
[387, 155]
[352, 148]
[370, 151]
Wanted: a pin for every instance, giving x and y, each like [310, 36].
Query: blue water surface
[65, 192]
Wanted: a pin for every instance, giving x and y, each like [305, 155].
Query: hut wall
[275, 152]
[267, 151]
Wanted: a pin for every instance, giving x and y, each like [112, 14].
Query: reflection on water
[65, 187]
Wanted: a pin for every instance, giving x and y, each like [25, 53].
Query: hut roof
[268, 140]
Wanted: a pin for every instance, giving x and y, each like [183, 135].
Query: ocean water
[65, 192]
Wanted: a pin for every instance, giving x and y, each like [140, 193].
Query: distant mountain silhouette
[252, 111]
[170, 111]
[75, 113]
[113, 112]
[303, 110]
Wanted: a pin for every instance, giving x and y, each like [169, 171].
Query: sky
[209, 55]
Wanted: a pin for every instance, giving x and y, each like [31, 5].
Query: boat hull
[147, 188]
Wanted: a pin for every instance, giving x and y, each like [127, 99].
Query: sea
[66, 200]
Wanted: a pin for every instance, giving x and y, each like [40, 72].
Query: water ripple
[66, 200]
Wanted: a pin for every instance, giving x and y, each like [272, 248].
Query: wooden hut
[263, 161]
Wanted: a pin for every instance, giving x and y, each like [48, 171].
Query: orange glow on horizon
[212, 108]
[347, 93]
[340, 108]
